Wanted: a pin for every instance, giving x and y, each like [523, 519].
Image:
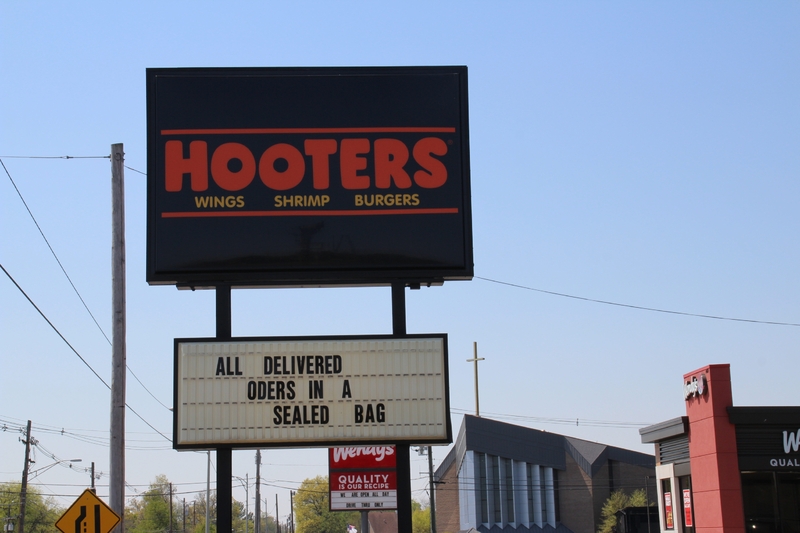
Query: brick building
[503, 477]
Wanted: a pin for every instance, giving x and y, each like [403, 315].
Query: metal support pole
[431, 483]
[404, 512]
[208, 491]
[224, 455]
[224, 490]
[118, 357]
[364, 521]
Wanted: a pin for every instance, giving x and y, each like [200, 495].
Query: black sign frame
[414, 227]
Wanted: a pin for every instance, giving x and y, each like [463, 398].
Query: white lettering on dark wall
[784, 462]
[791, 441]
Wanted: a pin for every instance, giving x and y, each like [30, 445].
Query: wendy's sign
[362, 478]
[308, 176]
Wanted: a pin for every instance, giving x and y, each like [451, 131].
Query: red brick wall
[447, 511]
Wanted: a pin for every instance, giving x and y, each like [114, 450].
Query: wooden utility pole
[291, 510]
[23, 493]
[118, 364]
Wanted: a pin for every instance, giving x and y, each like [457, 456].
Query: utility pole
[475, 360]
[431, 483]
[277, 515]
[93, 476]
[291, 510]
[24, 489]
[247, 501]
[257, 527]
[170, 508]
[118, 365]
[184, 516]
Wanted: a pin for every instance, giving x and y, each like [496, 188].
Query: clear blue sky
[644, 153]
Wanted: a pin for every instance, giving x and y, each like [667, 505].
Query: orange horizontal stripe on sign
[252, 131]
[306, 213]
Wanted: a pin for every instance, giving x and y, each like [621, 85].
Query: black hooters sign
[303, 176]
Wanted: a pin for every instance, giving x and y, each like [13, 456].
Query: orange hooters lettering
[391, 156]
[221, 166]
[351, 160]
[282, 180]
[282, 167]
[435, 173]
[177, 166]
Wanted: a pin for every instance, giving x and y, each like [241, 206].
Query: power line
[577, 421]
[54, 327]
[74, 288]
[639, 307]
[41, 232]
[139, 171]
[76, 351]
[55, 156]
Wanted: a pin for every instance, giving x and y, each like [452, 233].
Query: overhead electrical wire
[74, 288]
[490, 280]
[639, 307]
[76, 351]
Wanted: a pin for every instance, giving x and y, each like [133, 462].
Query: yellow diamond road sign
[89, 514]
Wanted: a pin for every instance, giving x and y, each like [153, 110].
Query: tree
[420, 517]
[617, 501]
[41, 513]
[312, 510]
[151, 512]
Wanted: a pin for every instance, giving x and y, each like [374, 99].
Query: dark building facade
[503, 477]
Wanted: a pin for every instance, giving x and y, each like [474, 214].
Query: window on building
[555, 496]
[495, 488]
[668, 504]
[789, 501]
[771, 501]
[509, 482]
[483, 489]
[529, 472]
[685, 499]
[543, 493]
